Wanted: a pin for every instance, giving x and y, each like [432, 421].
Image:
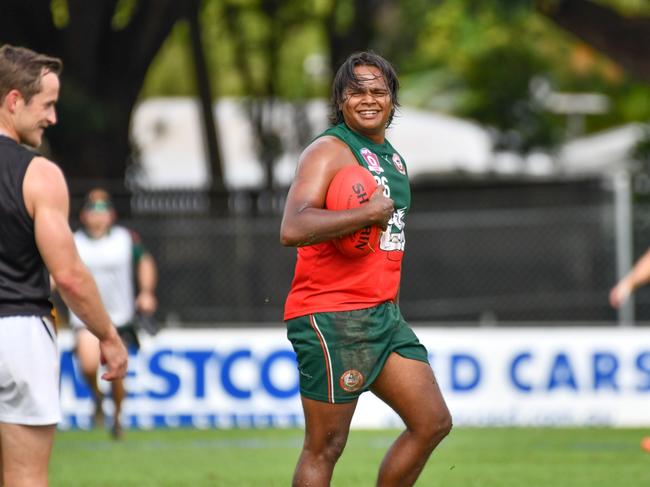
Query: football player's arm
[637, 277]
[305, 221]
[46, 199]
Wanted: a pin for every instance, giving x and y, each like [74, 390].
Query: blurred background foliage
[472, 59]
[491, 61]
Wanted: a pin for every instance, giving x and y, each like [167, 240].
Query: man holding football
[35, 238]
[342, 312]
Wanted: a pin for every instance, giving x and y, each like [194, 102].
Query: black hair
[346, 78]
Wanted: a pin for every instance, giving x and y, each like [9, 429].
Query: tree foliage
[483, 60]
[107, 47]
[475, 59]
[624, 38]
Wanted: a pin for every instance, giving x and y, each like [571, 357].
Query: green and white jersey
[389, 169]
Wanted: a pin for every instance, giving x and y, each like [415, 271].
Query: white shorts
[29, 371]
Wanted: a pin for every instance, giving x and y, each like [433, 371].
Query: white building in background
[603, 153]
[169, 136]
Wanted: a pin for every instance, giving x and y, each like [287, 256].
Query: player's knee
[329, 450]
[334, 447]
[445, 424]
[436, 429]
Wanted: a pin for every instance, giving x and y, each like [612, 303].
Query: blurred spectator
[114, 256]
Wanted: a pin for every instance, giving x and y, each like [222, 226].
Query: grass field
[469, 457]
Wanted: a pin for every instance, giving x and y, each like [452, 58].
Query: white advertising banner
[498, 376]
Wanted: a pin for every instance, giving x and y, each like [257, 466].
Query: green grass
[469, 457]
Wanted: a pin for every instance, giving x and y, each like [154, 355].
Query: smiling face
[32, 118]
[367, 105]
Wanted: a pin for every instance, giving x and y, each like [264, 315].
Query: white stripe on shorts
[29, 371]
[330, 367]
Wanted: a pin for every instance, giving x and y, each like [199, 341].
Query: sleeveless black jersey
[24, 281]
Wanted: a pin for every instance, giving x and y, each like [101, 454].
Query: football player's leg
[326, 432]
[409, 387]
[87, 351]
[118, 397]
[26, 454]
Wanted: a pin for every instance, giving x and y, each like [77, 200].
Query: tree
[351, 26]
[624, 38]
[257, 60]
[498, 61]
[107, 47]
[348, 27]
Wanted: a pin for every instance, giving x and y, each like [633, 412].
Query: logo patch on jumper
[397, 162]
[351, 380]
[372, 160]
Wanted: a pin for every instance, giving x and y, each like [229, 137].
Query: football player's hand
[113, 356]
[381, 208]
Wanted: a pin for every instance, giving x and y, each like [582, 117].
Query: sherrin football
[352, 187]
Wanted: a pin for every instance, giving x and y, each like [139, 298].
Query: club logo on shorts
[397, 162]
[372, 160]
[351, 380]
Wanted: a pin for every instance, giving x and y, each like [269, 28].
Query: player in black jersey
[35, 238]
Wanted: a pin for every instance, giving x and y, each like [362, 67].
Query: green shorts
[340, 354]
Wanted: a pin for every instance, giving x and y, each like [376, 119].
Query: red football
[352, 187]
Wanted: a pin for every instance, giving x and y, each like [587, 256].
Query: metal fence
[490, 254]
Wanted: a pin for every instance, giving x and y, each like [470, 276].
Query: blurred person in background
[637, 277]
[36, 239]
[342, 313]
[115, 256]
[619, 294]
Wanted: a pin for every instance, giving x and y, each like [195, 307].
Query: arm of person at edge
[637, 277]
[46, 198]
[305, 220]
[147, 277]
